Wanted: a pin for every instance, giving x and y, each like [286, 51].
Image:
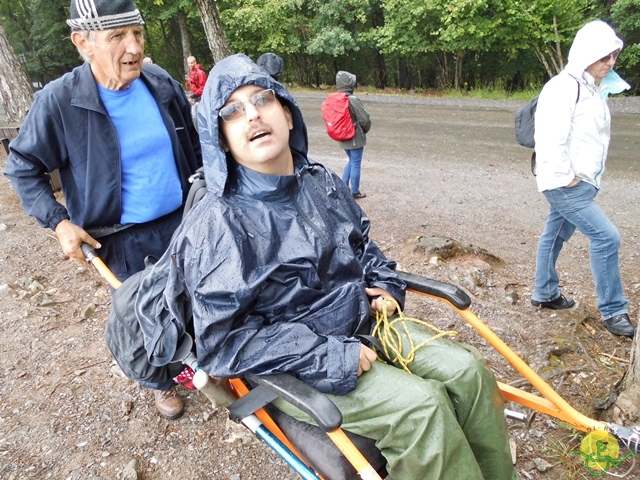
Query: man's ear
[223, 143]
[288, 116]
[81, 43]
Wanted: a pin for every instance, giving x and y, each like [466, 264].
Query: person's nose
[133, 43]
[251, 111]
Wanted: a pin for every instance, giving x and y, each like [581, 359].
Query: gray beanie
[272, 63]
[103, 14]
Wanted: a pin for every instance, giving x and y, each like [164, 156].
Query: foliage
[40, 36]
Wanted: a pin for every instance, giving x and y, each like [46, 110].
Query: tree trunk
[213, 29]
[627, 406]
[16, 92]
[379, 66]
[457, 79]
[184, 40]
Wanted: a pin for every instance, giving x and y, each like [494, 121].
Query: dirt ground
[432, 167]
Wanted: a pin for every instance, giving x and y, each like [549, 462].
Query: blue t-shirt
[151, 184]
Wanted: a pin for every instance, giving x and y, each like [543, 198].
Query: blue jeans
[351, 174]
[571, 208]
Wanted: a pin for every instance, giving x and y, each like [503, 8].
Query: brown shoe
[359, 195]
[169, 403]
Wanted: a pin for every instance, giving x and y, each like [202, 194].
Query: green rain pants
[443, 421]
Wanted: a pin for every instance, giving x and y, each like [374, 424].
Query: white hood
[592, 42]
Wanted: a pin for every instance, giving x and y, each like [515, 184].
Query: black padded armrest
[306, 398]
[455, 295]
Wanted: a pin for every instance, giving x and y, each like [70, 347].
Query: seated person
[282, 276]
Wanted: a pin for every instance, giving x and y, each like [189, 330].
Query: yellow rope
[391, 339]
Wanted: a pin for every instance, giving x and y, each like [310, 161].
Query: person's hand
[367, 357]
[378, 295]
[71, 237]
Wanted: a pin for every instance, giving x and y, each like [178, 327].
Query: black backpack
[123, 334]
[525, 126]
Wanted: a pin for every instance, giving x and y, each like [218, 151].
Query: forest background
[401, 45]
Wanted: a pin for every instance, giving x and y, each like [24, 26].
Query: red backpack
[337, 117]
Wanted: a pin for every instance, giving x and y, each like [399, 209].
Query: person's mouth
[258, 134]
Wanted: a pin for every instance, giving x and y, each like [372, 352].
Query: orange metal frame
[550, 403]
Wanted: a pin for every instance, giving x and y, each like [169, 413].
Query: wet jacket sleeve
[40, 148]
[379, 271]
[553, 124]
[362, 117]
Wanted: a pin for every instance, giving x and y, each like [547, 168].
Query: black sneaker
[560, 303]
[359, 195]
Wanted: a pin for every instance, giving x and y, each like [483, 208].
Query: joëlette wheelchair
[305, 447]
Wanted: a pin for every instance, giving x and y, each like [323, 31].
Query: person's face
[191, 62]
[259, 139]
[600, 68]
[116, 56]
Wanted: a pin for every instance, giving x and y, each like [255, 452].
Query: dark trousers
[124, 252]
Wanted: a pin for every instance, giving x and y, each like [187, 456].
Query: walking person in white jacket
[572, 132]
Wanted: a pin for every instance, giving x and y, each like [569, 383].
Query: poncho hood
[592, 42]
[225, 77]
[345, 81]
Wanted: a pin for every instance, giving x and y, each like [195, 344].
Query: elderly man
[283, 277]
[122, 137]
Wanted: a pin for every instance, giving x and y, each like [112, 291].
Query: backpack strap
[578, 82]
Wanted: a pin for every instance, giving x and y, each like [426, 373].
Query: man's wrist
[57, 220]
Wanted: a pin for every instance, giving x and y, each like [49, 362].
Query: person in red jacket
[196, 79]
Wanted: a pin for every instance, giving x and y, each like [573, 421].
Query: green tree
[40, 37]
[281, 26]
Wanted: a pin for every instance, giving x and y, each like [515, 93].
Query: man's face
[191, 61]
[601, 68]
[116, 56]
[259, 139]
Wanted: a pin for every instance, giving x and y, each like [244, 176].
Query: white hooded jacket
[572, 121]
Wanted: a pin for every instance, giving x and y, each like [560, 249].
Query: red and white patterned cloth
[185, 378]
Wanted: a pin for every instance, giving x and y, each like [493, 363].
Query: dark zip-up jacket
[68, 129]
[274, 267]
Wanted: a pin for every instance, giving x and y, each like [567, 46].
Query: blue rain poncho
[274, 267]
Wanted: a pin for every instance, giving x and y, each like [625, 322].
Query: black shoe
[359, 195]
[560, 303]
[620, 325]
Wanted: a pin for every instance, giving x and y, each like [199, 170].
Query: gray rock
[130, 471]
[542, 465]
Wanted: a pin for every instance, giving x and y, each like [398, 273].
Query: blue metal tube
[287, 455]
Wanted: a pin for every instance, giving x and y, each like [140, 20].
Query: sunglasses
[236, 110]
[612, 55]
